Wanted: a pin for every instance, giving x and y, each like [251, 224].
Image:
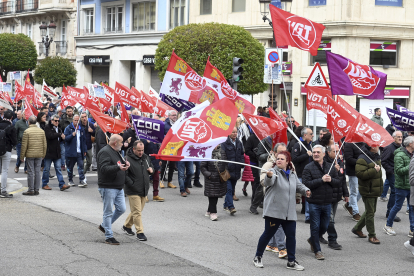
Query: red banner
[107, 123]
[125, 95]
[317, 98]
[18, 92]
[263, 126]
[347, 107]
[153, 105]
[78, 94]
[339, 121]
[27, 109]
[280, 136]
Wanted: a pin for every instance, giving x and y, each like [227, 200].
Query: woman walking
[213, 187]
[279, 208]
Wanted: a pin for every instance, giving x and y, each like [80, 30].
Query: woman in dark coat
[213, 187]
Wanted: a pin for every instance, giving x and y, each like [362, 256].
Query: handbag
[224, 176]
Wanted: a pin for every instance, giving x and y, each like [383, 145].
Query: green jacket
[369, 180]
[378, 120]
[21, 126]
[402, 160]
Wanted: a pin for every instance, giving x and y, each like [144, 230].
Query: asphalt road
[56, 233]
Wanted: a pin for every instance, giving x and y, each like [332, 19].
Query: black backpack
[3, 142]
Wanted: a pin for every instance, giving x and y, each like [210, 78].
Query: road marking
[19, 190]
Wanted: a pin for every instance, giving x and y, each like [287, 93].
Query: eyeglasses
[56, 120]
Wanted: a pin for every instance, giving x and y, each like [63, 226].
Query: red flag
[125, 95]
[285, 116]
[317, 98]
[34, 110]
[79, 95]
[27, 109]
[18, 92]
[153, 105]
[365, 130]
[296, 31]
[339, 121]
[107, 123]
[28, 76]
[28, 91]
[7, 97]
[280, 136]
[97, 104]
[124, 115]
[109, 93]
[37, 99]
[347, 107]
[46, 90]
[263, 126]
[66, 99]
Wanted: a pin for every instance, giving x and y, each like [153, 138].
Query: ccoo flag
[350, 78]
[296, 31]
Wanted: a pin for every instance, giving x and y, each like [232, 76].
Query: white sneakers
[295, 266]
[409, 247]
[212, 216]
[389, 231]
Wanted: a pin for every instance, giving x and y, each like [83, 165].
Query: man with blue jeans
[197, 175]
[185, 173]
[111, 180]
[75, 148]
[322, 181]
[402, 158]
[387, 161]
[54, 136]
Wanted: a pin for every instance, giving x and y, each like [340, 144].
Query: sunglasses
[56, 120]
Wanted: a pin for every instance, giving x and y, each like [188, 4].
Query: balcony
[61, 47]
[26, 5]
[113, 30]
[7, 7]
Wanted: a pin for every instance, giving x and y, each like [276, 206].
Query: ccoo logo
[302, 32]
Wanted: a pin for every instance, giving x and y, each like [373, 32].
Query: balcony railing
[114, 30]
[42, 49]
[61, 47]
[88, 32]
[26, 5]
[7, 7]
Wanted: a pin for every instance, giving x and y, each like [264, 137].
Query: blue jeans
[62, 154]
[228, 201]
[354, 195]
[185, 172]
[271, 226]
[45, 177]
[110, 198]
[19, 150]
[400, 195]
[278, 240]
[197, 171]
[319, 221]
[306, 205]
[386, 187]
[391, 200]
[70, 162]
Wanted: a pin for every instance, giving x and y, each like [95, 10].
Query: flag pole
[294, 135]
[336, 156]
[363, 152]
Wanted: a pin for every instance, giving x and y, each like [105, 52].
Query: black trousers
[212, 204]
[171, 167]
[258, 195]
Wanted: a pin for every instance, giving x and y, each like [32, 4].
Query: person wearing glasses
[54, 136]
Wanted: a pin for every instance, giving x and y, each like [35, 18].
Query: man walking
[153, 148]
[75, 150]
[111, 180]
[21, 125]
[89, 133]
[65, 121]
[172, 118]
[402, 159]
[54, 136]
[377, 117]
[136, 188]
[34, 147]
[322, 183]
[8, 140]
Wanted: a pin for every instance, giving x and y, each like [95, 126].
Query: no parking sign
[273, 56]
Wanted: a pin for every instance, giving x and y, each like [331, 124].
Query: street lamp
[45, 38]
[264, 7]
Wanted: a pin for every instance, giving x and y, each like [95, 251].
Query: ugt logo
[228, 91]
[364, 82]
[195, 130]
[302, 32]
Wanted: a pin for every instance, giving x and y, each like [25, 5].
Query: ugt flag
[339, 120]
[279, 136]
[402, 121]
[108, 124]
[148, 129]
[350, 78]
[263, 126]
[317, 98]
[199, 131]
[365, 130]
[296, 31]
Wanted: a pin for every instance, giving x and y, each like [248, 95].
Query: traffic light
[237, 69]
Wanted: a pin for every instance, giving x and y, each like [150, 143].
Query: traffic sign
[316, 77]
[273, 56]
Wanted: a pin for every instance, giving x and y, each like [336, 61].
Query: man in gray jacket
[377, 117]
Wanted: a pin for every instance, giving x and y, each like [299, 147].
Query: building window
[13, 29]
[205, 7]
[114, 19]
[394, 3]
[324, 46]
[317, 2]
[177, 13]
[63, 30]
[383, 53]
[88, 21]
[29, 30]
[143, 16]
[238, 6]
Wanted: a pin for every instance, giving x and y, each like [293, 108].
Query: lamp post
[45, 38]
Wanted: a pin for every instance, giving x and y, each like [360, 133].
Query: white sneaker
[294, 265]
[409, 247]
[213, 216]
[207, 214]
[389, 231]
[258, 262]
[83, 184]
[384, 199]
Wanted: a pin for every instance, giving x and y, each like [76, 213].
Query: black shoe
[198, 185]
[307, 221]
[302, 211]
[128, 231]
[244, 192]
[112, 241]
[94, 170]
[190, 186]
[397, 219]
[165, 179]
[334, 245]
[141, 237]
[51, 176]
[322, 240]
[36, 192]
[253, 211]
[5, 195]
[261, 205]
[101, 228]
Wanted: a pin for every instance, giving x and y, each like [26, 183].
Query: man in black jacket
[54, 136]
[89, 133]
[302, 156]
[136, 188]
[338, 193]
[321, 133]
[387, 161]
[111, 179]
[263, 150]
[351, 154]
[65, 120]
[153, 148]
[10, 140]
[322, 182]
